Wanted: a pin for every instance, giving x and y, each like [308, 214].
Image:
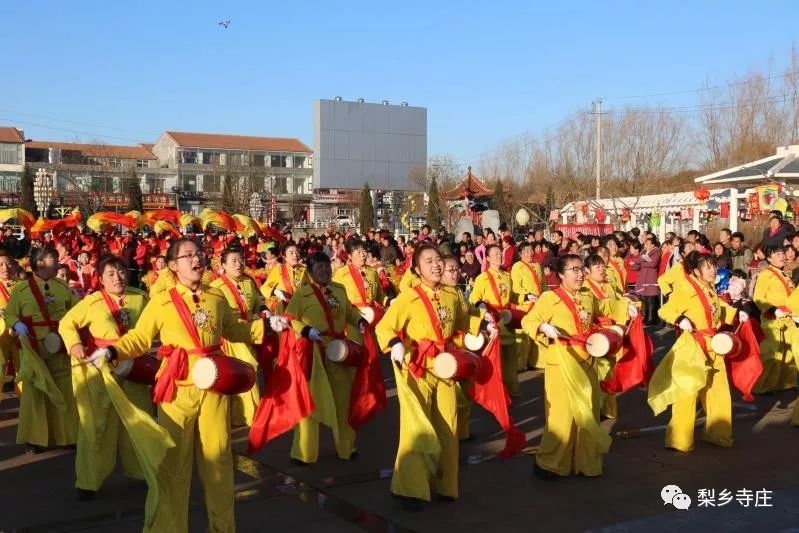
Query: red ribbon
[368, 396]
[426, 347]
[635, 366]
[536, 279]
[745, 368]
[287, 282]
[113, 308]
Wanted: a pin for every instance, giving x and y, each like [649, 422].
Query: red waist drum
[457, 365]
[345, 352]
[604, 342]
[223, 374]
[726, 343]
[139, 370]
[512, 318]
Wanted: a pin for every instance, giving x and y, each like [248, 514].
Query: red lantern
[702, 195]
[625, 214]
[599, 214]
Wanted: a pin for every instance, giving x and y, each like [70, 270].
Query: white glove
[21, 330]
[549, 330]
[532, 297]
[98, 358]
[398, 353]
[743, 316]
[281, 295]
[492, 329]
[362, 326]
[779, 313]
[481, 306]
[315, 335]
[278, 323]
[632, 310]
[685, 325]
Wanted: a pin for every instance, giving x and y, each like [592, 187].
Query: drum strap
[37, 295]
[703, 300]
[427, 347]
[777, 274]
[358, 280]
[534, 273]
[113, 308]
[619, 271]
[237, 295]
[572, 307]
[331, 331]
[287, 281]
[596, 289]
[494, 289]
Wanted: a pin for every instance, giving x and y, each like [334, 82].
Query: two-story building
[12, 164]
[278, 170]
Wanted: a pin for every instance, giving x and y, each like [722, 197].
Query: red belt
[426, 349]
[176, 369]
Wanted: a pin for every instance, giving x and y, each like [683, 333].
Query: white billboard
[358, 142]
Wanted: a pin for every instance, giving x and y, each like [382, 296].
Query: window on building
[234, 160]
[189, 183]
[258, 160]
[257, 183]
[280, 186]
[10, 154]
[9, 183]
[299, 161]
[278, 161]
[188, 157]
[143, 163]
[155, 185]
[212, 184]
[218, 159]
[102, 184]
[208, 158]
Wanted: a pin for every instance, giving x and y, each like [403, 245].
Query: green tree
[367, 210]
[433, 204]
[26, 200]
[133, 189]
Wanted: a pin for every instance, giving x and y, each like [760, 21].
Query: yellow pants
[39, 420]
[243, 406]
[464, 409]
[716, 401]
[565, 448]
[438, 400]
[779, 365]
[199, 423]
[96, 459]
[305, 446]
[510, 371]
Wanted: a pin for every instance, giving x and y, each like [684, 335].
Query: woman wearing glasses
[696, 309]
[107, 314]
[191, 320]
[34, 308]
[771, 292]
[573, 442]
[422, 322]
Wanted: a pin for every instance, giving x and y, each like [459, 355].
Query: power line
[15, 121]
[708, 107]
[702, 89]
[71, 121]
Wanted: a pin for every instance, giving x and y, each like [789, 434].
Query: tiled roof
[471, 185]
[10, 135]
[238, 142]
[96, 150]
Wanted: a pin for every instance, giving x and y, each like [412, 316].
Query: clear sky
[486, 71]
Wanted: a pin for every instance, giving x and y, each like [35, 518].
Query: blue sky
[127, 70]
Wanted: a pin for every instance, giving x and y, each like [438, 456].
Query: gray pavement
[36, 492]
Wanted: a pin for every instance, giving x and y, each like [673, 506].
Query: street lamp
[43, 191]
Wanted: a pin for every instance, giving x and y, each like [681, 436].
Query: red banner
[571, 230]
[158, 201]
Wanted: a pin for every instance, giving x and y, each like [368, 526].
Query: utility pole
[598, 113]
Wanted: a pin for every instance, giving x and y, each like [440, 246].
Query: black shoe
[354, 455]
[446, 499]
[299, 462]
[33, 449]
[85, 495]
[410, 504]
[544, 474]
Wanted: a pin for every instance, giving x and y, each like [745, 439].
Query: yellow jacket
[551, 309]
[612, 302]
[670, 278]
[57, 298]
[305, 310]
[484, 292]
[92, 312]
[409, 280]
[525, 283]
[249, 294]
[213, 319]
[164, 281]
[685, 302]
[617, 273]
[371, 284]
[772, 289]
[298, 276]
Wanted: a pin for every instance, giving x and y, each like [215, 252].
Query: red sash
[536, 279]
[237, 295]
[572, 307]
[777, 274]
[703, 300]
[598, 292]
[4, 291]
[619, 272]
[287, 281]
[113, 308]
[358, 279]
[331, 331]
[495, 289]
[37, 295]
[427, 347]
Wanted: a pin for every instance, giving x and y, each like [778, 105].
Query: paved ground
[36, 493]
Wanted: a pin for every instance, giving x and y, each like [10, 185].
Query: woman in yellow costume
[284, 279]
[107, 314]
[613, 303]
[360, 281]
[573, 442]
[191, 320]
[9, 352]
[152, 276]
[492, 293]
[676, 274]
[245, 301]
[422, 322]
[528, 284]
[772, 290]
[617, 271]
[691, 370]
[47, 409]
[319, 312]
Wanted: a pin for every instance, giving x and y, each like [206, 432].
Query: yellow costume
[498, 295]
[164, 281]
[772, 290]
[285, 278]
[242, 405]
[197, 420]
[527, 279]
[100, 433]
[408, 280]
[617, 274]
[793, 306]
[39, 420]
[428, 442]
[572, 441]
[712, 386]
[673, 276]
[330, 383]
[8, 347]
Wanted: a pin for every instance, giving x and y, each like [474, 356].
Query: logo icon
[672, 494]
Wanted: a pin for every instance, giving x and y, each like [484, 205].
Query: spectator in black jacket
[777, 230]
